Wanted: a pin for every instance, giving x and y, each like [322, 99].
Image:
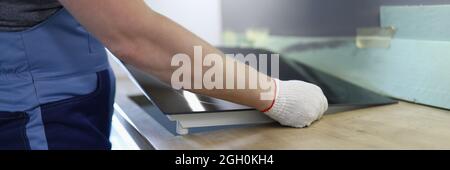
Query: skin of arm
[140, 36]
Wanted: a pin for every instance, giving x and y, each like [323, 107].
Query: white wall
[202, 17]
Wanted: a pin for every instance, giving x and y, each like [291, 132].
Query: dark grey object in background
[308, 17]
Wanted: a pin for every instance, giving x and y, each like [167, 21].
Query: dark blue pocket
[13, 131]
[82, 122]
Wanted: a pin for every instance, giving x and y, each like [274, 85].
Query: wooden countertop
[399, 126]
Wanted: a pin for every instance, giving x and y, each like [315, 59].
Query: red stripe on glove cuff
[274, 98]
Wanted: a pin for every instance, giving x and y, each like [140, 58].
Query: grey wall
[308, 17]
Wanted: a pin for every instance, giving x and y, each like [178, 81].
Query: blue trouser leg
[56, 87]
[81, 122]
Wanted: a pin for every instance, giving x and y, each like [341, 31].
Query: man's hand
[297, 103]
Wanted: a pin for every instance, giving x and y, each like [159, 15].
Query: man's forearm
[178, 40]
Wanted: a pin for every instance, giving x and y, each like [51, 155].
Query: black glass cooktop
[340, 94]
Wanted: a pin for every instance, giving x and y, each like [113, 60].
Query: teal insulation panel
[418, 22]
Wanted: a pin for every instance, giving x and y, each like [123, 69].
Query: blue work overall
[56, 88]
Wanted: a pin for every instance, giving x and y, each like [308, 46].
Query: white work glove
[297, 103]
